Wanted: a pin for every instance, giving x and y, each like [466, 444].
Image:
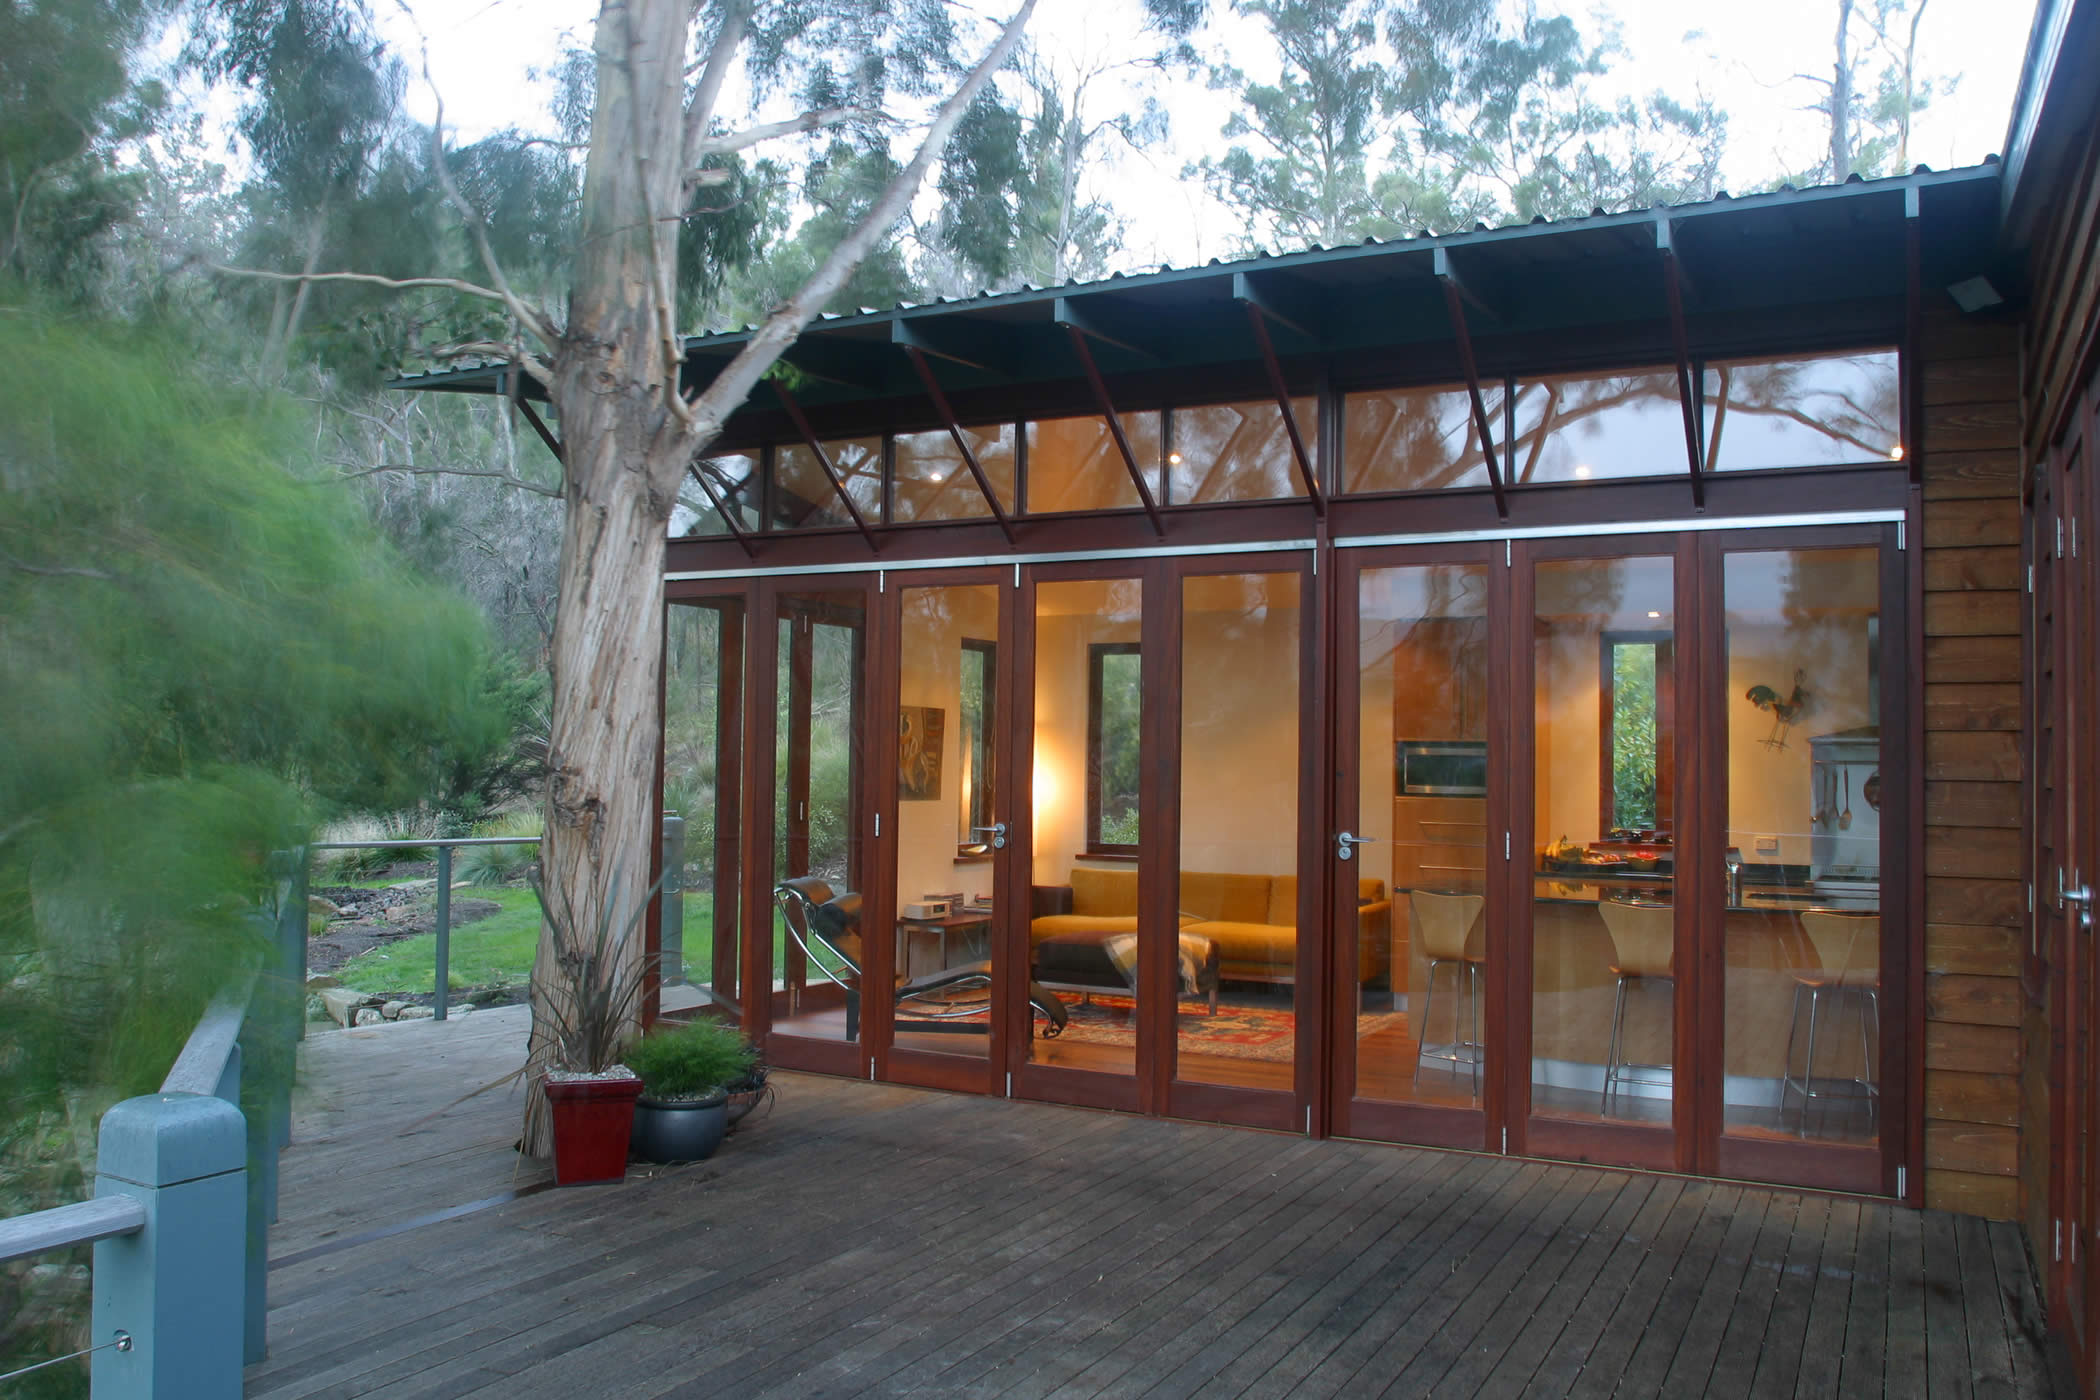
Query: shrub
[689, 1062]
[368, 863]
[499, 865]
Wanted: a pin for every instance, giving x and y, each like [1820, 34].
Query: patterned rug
[1242, 1032]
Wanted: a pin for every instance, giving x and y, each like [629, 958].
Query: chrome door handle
[2079, 895]
[998, 834]
[1345, 845]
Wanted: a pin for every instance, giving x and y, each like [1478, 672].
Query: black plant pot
[679, 1130]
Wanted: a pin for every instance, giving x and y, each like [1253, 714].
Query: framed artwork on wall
[920, 731]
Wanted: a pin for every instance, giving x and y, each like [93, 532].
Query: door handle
[2078, 894]
[1345, 845]
[997, 831]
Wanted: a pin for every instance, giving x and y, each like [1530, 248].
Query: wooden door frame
[1290, 1111]
[788, 1051]
[1429, 1125]
[732, 600]
[1010, 1012]
[1829, 1166]
[1639, 1146]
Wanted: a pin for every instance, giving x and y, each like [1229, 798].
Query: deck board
[871, 1240]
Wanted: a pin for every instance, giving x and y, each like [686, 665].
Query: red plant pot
[592, 1121]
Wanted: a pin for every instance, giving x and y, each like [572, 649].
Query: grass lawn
[492, 952]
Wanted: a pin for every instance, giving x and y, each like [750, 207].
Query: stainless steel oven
[1442, 767]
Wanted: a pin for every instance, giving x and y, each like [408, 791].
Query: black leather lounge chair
[827, 929]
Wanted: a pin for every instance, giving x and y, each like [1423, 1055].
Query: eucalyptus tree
[608, 351]
[1873, 90]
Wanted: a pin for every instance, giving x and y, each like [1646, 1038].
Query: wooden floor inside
[865, 1239]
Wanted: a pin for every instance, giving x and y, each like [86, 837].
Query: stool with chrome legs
[1847, 971]
[1643, 940]
[1448, 923]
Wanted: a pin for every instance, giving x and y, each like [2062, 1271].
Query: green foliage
[586, 995]
[497, 865]
[691, 1061]
[1633, 735]
[193, 658]
[1121, 705]
[492, 952]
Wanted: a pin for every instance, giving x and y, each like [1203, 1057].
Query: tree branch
[369, 279]
[54, 571]
[734, 383]
[700, 112]
[508, 478]
[768, 131]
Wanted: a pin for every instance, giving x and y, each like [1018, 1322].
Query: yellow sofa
[1253, 919]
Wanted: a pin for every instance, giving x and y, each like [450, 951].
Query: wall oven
[1442, 768]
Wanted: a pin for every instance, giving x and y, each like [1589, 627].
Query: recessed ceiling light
[935, 478]
[1655, 614]
[1896, 453]
[1582, 471]
[1173, 459]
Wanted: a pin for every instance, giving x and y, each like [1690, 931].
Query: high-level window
[1112, 747]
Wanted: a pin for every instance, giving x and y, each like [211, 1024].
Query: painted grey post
[444, 932]
[172, 1284]
[671, 944]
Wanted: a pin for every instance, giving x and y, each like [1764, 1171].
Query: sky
[1745, 55]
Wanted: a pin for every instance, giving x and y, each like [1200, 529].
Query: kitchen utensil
[1845, 817]
[1871, 790]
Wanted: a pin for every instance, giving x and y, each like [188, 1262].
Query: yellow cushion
[1050, 925]
[1242, 942]
[1227, 898]
[1110, 892]
[1283, 901]
[1369, 891]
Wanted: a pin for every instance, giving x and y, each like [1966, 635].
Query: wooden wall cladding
[1975, 894]
[2064, 298]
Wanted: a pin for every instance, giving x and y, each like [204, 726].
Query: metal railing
[670, 942]
[186, 1189]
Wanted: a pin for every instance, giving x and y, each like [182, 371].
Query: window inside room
[978, 778]
[1636, 708]
[1113, 708]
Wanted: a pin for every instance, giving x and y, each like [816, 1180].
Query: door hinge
[2059, 537]
[871, 1069]
[1505, 1141]
[878, 823]
[1899, 536]
[2056, 1244]
[2030, 578]
[1308, 1120]
[1505, 846]
[1902, 1182]
[1508, 554]
[882, 581]
[1010, 1073]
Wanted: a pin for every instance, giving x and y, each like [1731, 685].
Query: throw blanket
[1195, 952]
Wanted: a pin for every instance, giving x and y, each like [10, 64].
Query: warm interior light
[1582, 471]
[1896, 453]
[934, 477]
[1655, 614]
[1173, 459]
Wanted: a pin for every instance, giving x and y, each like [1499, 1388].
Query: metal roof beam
[852, 364]
[973, 346]
[1687, 396]
[1910, 367]
[1100, 322]
[1446, 268]
[1454, 304]
[1284, 300]
[942, 407]
[1115, 427]
[809, 439]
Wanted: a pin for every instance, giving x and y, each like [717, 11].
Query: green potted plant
[683, 1110]
[584, 1013]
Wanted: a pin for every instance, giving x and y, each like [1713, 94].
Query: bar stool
[1848, 968]
[1644, 943]
[1447, 922]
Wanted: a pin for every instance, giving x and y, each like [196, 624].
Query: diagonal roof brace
[809, 440]
[1115, 426]
[1102, 322]
[1454, 304]
[721, 508]
[962, 445]
[1262, 307]
[1673, 288]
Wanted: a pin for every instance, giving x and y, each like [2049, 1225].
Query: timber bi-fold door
[946, 798]
[809, 958]
[1421, 745]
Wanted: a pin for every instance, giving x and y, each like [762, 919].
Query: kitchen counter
[1637, 888]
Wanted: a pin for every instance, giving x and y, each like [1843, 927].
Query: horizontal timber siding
[1975, 898]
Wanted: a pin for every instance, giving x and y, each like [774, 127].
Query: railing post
[670, 943]
[173, 1286]
[444, 933]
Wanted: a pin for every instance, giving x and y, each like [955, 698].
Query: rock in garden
[320, 980]
[370, 1016]
[392, 1010]
[342, 1003]
[415, 1013]
[317, 905]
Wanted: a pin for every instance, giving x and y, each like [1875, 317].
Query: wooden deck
[871, 1240]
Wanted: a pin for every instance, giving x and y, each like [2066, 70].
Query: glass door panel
[1419, 894]
[948, 816]
[1084, 826]
[1603, 988]
[703, 747]
[1802, 916]
[1237, 880]
[819, 947]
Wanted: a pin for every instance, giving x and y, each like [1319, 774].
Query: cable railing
[186, 1190]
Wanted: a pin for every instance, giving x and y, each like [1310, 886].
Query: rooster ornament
[1784, 711]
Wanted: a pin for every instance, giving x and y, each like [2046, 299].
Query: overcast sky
[1744, 55]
